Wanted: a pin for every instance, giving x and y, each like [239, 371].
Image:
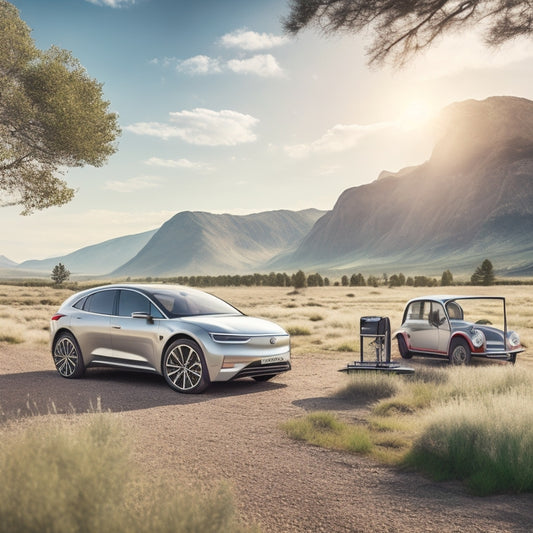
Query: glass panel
[100, 302]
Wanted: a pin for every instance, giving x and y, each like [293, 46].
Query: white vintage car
[457, 328]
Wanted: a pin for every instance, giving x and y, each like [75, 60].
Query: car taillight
[57, 316]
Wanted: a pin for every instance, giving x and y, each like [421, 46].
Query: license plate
[273, 359]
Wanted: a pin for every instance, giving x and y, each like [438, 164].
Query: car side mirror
[147, 316]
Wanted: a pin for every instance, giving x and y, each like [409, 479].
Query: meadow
[319, 319]
[471, 424]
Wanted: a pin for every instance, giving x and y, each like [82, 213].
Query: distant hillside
[195, 243]
[473, 199]
[6, 263]
[97, 259]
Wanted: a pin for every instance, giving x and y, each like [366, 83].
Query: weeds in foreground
[470, 424]
[81, 478]
[325, 430]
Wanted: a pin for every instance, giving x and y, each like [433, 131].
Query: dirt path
[232, 433]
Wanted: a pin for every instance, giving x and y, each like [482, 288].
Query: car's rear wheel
[402, 348]
[184, 367]
[67, 356]
[459, 352]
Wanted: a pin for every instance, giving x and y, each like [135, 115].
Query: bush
[485, 443]
[369, 386]
[60, 478]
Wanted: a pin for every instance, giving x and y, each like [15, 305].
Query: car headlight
[478, 338]
[513, 338]
[230, 338]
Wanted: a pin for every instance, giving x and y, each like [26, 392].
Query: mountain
[472, 199]
[97, 259]
[196, 243]
[6, 263]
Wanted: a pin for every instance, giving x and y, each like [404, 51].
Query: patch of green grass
[487, 444]
[472, 424]
[81, 478]
[325, 430]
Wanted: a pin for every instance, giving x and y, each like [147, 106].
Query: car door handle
[116, 327]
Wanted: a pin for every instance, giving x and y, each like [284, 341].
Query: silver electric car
[457, 328]
[188, 336]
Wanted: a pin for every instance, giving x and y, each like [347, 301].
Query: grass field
[320, 319]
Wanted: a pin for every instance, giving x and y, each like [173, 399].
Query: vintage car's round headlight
[478, 338]
[513, 338]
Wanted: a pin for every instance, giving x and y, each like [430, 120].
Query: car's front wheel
[184, 367]
[67, 356]
[402, 348]
[459, 352]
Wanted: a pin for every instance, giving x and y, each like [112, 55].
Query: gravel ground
[232, 433]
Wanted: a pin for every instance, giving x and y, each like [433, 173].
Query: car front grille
[257, 369]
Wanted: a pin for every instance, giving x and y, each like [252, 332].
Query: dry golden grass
[328, 317]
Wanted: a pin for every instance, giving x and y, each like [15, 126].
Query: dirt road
[232, 433]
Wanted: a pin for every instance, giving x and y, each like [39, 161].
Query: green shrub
[485, 443]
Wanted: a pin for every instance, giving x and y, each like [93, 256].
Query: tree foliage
[60, 273]
[52, 116]
[484, 274]
[299, 280]
[402, 28]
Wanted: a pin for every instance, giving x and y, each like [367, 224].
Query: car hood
[238, 324]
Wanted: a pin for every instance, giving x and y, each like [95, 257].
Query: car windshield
[487, 311]
[183, 302]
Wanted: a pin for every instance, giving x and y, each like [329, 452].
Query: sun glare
[416, 114]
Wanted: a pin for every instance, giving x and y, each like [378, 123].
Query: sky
[222, 112]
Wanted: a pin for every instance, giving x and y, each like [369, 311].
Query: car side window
[418, 311]
[437, 316]
[101, 302]
[134, 302]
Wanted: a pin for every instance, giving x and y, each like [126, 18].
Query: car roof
[445, 298]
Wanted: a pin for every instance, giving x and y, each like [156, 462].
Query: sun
[416, 114]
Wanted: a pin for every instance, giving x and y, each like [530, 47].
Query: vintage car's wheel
[67, 356]
[459, 352]
[402, 347]
[184, 367]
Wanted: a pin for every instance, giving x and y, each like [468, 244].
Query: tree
[52, 116]
[299, 281]
[447, 279]
[402, 29]
[60, 273]
[484, 274]
[344, 281]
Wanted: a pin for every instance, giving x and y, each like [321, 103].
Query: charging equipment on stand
[375, 340]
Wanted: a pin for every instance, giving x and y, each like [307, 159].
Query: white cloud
[337, 139]
[112, 3]
[202, 127]
[251, 40]
[199, 64]
[133, 184]
[264, 65]
[177, 163]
